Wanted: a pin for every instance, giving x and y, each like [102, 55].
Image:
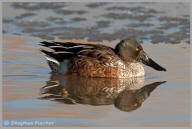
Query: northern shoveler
[95, 60]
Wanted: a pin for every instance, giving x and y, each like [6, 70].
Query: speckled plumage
[91, 60]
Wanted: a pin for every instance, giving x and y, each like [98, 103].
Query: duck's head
[130, 50]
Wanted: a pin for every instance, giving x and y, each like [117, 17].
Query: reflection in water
[129, 100]
[125, 94]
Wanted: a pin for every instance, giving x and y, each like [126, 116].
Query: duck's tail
[57, 53]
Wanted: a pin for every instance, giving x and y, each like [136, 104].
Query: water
[148, 22]
[32, 96]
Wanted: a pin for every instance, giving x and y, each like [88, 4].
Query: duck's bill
[149, 62]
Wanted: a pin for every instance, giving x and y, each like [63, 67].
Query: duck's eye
[135, 105]
[137, 49]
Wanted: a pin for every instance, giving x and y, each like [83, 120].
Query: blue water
[26, 103]
[167, 118]
[25, 76]
[45, 120]
[111, 21]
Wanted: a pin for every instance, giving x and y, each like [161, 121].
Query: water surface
[148, 22]
[31, 94]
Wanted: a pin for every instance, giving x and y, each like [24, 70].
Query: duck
[97, 60]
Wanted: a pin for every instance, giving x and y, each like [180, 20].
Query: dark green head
[131, 51]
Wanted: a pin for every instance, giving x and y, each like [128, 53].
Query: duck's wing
[102, 54]
[66, 50]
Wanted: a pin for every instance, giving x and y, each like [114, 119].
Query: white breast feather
[130, 70]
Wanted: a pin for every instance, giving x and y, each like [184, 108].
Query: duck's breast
[130, 70]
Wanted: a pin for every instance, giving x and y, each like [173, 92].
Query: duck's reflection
[129, 100]
[125, 94]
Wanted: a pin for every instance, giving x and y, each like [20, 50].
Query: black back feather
[65, 50]
[58, 56]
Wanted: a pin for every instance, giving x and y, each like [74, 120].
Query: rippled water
[32, 96]
[148, 22]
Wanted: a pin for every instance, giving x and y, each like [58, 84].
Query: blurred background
[147, 22]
